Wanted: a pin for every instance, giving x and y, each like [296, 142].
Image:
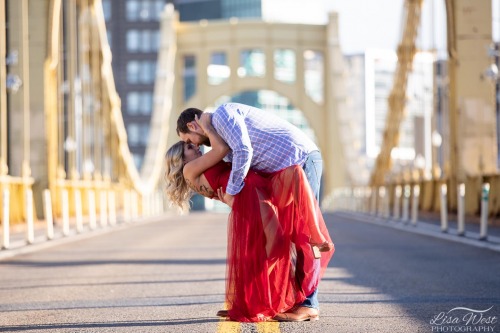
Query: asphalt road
[168, 276]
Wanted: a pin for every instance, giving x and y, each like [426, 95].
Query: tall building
[369, 84]
[133, 35]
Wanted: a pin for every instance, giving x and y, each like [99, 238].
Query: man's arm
[231, 127]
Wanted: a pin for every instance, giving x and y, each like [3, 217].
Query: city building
[133, 35]
[369, 83]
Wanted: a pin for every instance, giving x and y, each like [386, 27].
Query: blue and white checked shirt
[259, 140]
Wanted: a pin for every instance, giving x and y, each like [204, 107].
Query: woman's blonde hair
[176, 189]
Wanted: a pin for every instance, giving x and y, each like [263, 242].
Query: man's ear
[192, 126]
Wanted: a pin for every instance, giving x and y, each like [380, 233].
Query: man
[264, 142]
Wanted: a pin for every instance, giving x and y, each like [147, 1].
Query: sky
[372, 23]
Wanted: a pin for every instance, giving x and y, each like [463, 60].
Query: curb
[420, 229]
[45, 243]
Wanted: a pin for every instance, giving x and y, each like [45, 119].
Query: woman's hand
[204, 121]
[228, 199]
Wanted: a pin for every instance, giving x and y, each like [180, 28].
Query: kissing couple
[269, 173]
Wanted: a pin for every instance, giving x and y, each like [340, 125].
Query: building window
[132, 10]
[133, 71]
[134, 134]
[218, 71]
[133, 40]
[238, 8]
[159, 5]
[144, 10]
[313, 75]
[142, 72]
[133, 102]
[147, 72]
[189, 75]
[284, 65]
[155, 40]
[146, 103]
[252, 63]
[145, 41]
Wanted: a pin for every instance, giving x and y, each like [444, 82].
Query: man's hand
[204, 121]
[228, 199]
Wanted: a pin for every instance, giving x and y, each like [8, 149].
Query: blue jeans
[313, 168]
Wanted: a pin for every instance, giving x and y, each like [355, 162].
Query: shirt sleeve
[231, 127]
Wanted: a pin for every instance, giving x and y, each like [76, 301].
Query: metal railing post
[387, 203]
[380, 201]
[367, 199]
[65, 211]
[414, 204]
[397, 202]
[461, 210]
[444, 208]
[30, 228]
[485, 196]
[406, 202]
[373, 200]
[49, 219]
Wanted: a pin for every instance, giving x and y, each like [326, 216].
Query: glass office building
[194, 10]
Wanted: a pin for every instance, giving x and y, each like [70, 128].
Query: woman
[271, 217]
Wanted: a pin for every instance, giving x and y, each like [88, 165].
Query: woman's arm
[195, 168]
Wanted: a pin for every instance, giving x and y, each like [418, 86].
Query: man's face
[195, 136]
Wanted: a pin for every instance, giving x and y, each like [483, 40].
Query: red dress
[272, 216]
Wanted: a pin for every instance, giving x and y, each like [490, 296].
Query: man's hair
[186, 117]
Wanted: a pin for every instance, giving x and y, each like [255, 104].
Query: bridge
[72, 197]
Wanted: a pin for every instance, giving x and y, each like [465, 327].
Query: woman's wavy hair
[176, 187]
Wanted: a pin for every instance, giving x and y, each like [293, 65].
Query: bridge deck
[153, 277]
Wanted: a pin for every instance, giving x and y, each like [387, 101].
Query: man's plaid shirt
[259, 140]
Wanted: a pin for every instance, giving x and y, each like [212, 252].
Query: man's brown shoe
[300, 313]
[223, 313]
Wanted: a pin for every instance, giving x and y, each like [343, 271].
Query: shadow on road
[42, 263]
[421, 275]
[116, 324]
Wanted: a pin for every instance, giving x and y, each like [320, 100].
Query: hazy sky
[372, 23]
[377, 24]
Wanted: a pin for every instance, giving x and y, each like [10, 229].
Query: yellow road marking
[268, 327]
[228, 326]
[225, 326]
